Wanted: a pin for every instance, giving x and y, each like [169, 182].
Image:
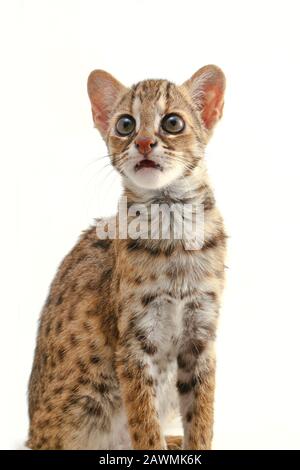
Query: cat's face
[156, 131]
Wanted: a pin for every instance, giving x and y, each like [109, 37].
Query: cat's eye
[172, 123]
[125, 125]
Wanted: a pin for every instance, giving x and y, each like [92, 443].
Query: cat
[127, 333]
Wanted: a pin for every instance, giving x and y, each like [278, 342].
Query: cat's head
[156, 131]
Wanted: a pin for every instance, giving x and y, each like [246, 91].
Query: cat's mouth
[146, 163]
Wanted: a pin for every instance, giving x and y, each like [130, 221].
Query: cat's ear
[206, 89]
[104, 91]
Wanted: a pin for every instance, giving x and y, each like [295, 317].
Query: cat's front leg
[196, 384]
[138, 388]
[196, 369]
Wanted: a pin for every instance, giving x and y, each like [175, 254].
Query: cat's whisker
[97, 160]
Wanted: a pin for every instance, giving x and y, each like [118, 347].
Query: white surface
[51, 186]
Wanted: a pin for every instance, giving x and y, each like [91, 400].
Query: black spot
[87, 326]
[48, 328]
[59, 326]
[151, 442]
[212, 295]
[74, 286]
[104, 244]
[49, 408]
[73, 399]
[181, 362]
[106, 275]
[41, 443]
[189, 416]
[45, 359]
[140, 245]
[82, 366]
[194, 305]
[197, 347]
[183, 387]
[209, 203]
[57, 390]
[186, 387]
[169, 250]
[59, 299]
[93, 347]
[148, 298]
[136, 437]
[149, 381]
[147, 346]
[61, 353]
[127, 374]
[134, 245]
[65, 407]
[136, 421]
[100, 388]
[153, 250]
[218, 239]
[95, 359]
[53, 363]
[73, 340]
[82, 381]
[74, 388]
[92, 407]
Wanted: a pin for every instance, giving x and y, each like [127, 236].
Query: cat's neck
[185, 189]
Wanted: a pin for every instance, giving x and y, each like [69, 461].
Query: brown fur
[107, 338]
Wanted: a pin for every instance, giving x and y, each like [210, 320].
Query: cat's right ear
[104, 91]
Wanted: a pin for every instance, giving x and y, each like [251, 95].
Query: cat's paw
[174, 442]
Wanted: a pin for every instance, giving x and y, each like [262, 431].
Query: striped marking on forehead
[149, 98]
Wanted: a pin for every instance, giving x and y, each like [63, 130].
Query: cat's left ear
[104, 92]
[206, 89]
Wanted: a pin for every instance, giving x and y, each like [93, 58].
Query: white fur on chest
[162, 324]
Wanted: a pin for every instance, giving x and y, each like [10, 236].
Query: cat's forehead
[151, 94]
[152, 90]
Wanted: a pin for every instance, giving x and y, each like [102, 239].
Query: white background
[53, 181]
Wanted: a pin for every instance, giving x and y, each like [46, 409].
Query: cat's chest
[181, 275]
[169, 286]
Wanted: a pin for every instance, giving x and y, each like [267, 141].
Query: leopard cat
[126, 336]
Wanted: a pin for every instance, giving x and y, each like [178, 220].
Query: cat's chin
[152, 178]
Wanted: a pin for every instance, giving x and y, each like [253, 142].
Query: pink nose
[145, 144]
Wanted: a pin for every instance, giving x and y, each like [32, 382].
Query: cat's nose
[145, 144]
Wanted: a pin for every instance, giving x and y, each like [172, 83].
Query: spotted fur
[126, 336]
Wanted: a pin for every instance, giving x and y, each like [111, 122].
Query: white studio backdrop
[54, 181]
